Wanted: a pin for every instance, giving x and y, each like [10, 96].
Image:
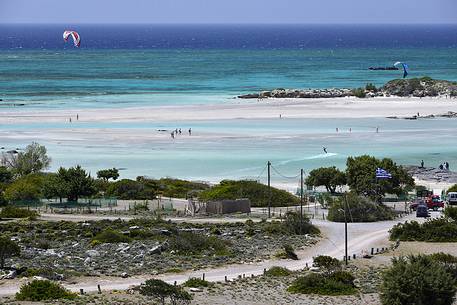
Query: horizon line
[228, 23]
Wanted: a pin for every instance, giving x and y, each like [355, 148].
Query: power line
[284, 176]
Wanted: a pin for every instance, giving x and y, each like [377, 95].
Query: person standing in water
[422, 163]
[190, 131]
[77, 117]
[325, 149]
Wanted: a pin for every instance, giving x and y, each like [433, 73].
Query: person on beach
[350, 129]
[70, 120]
[325, 149]
[179, 130]
[280, 116]
[377, 129]
[172, 134]
[336, 129]
[422, 163]
[446, 165]
[190, 131]
[441, 167]
[77, 117]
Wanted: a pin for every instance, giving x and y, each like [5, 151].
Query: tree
[28, 188]
[6, 176]
[75, 182]
[8, 248]
[55, 187]
[127, 189]
[417, 280]
[32, 160]
[106, 174]
[162, 290]
[361, 177]
[452, 189]
[330, 177]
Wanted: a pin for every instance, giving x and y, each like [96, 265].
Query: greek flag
[382, 174]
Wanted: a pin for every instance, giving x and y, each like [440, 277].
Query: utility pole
[345, 231]
[269, 190]
[301, 201]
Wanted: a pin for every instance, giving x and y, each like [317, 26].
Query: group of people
[444, 165]
[178, 131]
[77, 118]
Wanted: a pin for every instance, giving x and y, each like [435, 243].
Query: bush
[417, 280]
[196, 283]
[327, 264]
[319, 284]
[162, 291]
[448, 261]
[293, 224]
[192, 243]
[452, 188]
[433, 230]
[359, 92]
[451, 213]
[8, 248]
[371, 87]
[110, 236]
[127, 189]
[11, 211]
[276, 271]
[256, 192]
[39, 290]
[177, 188]
[359, 209]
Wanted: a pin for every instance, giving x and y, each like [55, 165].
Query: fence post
[203, 276]
[99, 289]
[81, 291]
[372, 251]
[225, 279]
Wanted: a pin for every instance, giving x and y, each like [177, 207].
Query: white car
[452, 198]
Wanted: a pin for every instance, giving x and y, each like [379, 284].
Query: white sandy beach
[246, 109]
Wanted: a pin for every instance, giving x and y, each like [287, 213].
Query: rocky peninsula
[416, 87]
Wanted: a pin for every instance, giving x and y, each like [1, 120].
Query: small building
[228, 206]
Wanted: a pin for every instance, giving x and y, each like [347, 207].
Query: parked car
[422, 211]
[452, 198]
[432, 202]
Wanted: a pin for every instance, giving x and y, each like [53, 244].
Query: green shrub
[294, 224]
[11, 211]
[287, 253]
[256, 192]
[110, 236]
[177, 188]
[327, 264]
[39, 290]
[417, 280]
[371, 87]
[433, 230]
[359, 92]
[192, 243]
[319, 284]
[127, 189]
[451, 212]
[277, 271]
[196, 283]
[359, 209]
[448, 261]
[162, 291]
[8, 248]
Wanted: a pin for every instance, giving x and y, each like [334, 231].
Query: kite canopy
[405, 68]
[74, 35]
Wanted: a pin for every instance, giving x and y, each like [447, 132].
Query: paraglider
[405, 68]
[74, 35]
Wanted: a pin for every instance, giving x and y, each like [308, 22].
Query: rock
[124, 275]
[92, 253]
[9, 276]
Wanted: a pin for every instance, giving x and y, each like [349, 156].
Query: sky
[228, 11]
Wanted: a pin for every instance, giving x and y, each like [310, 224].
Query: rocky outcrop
[432, 174]
[418, 87]
[303, 93]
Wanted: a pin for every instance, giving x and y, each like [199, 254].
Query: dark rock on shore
[303, 93]
[420, 87]
[432, 174]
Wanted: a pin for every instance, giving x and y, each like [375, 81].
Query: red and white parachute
[75, 35]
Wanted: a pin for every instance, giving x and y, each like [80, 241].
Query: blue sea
[147, 65]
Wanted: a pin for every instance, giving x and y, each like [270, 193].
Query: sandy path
[362, 236]
[247, 109]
